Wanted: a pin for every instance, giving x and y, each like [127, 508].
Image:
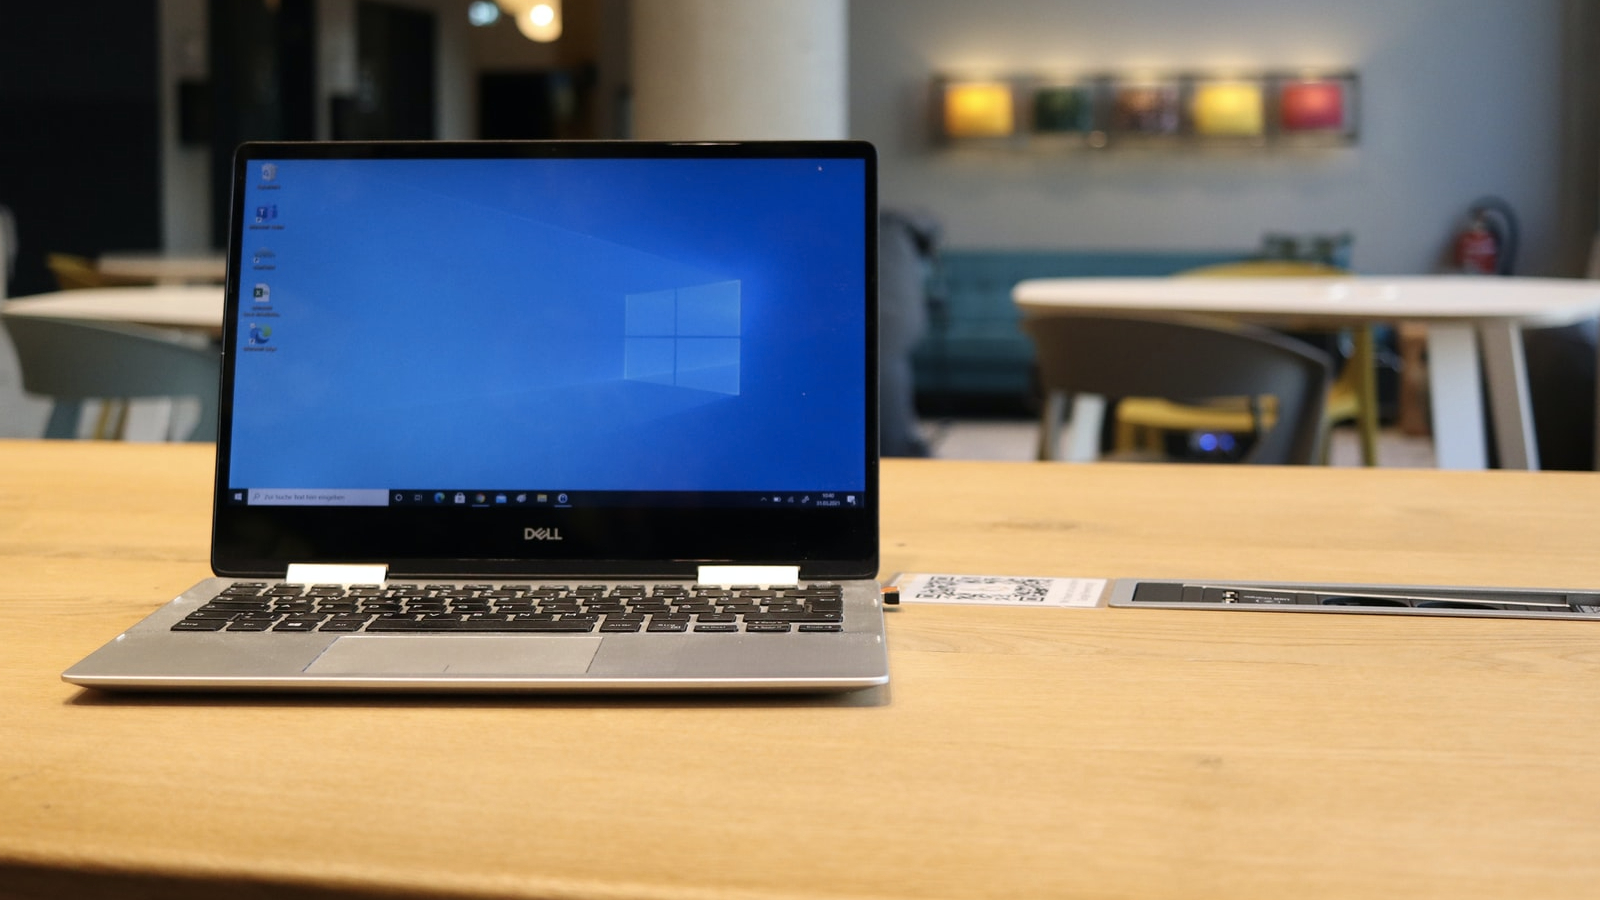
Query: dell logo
[541, 534]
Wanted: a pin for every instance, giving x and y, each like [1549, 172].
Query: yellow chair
[1187, 359]
[1142, 421]
[73, 272]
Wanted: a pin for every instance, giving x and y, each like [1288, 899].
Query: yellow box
[1229, 108]
[979, 109]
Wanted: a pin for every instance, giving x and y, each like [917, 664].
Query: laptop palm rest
[453, 655]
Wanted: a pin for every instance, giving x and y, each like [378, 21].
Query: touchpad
[360, 654]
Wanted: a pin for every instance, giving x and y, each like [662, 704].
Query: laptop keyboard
[539, 608]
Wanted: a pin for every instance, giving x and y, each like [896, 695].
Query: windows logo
[685, 337]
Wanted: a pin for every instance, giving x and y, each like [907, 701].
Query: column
[739, 69]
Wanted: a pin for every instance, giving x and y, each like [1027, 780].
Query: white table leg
[1456, 396]
[1088, 420]
[1051, 418]
[1083, 427]
[1510, 403]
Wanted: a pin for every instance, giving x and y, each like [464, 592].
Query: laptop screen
[559, 334]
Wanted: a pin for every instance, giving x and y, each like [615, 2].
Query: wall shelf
[1296, 108]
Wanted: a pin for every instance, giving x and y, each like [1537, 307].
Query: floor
[1014, 439]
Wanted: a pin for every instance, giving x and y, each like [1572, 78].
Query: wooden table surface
[1017, 752]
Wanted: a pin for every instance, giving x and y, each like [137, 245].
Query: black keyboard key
[517, 623]
[345, 622]
[787, 617]
[193, 624]
[238, 605]
[766, 627]
[395, 622]
[488, 617]
[821, 628]
[250, 625]
[718, 628]
[298, 623]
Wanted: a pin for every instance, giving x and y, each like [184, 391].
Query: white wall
[1460, 98]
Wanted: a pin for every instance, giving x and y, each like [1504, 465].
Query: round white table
[165, 268]
[1474, 331]
[193, 308]
[190, 307]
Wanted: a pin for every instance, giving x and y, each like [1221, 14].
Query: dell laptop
[539, 416]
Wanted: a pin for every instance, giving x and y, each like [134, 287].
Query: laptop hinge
[324, 573]
[766, 576]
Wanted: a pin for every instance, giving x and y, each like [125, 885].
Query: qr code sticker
[1001, 589]
[986, 589]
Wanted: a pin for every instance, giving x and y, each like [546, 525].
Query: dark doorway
[516, 105]
[395, 61]
[536, 104]
[263, 84]
[80, 146]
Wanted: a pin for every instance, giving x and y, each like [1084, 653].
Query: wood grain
[1016, 753]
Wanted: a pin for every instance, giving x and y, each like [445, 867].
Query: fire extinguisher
[1487, 244]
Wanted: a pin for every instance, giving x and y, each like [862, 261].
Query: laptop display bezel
[627, 540]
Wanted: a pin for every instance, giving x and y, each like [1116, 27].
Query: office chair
[1353, 396]
[72, 360]
[1188, 360]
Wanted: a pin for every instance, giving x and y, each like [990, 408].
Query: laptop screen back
[549, 355]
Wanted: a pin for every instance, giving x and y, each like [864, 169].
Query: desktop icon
[261, 294]
[269, 172]
[266, 213]
[260, 334]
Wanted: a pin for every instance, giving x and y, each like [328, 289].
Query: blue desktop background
[466, 323]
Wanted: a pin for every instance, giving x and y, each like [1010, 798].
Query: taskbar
[414, 498]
